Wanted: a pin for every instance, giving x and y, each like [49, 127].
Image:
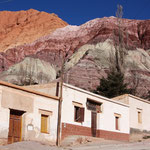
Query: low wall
[138, 135]
[70, 129]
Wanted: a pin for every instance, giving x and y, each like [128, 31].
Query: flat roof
[28, 90]
[135, 97]
[78, 89]
[95, 95]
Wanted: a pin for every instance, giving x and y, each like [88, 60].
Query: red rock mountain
[22, 27]
[90, 48]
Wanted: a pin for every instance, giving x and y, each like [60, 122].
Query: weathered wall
[16, 99]
[33, 105]
[49, 89]
[34, 118]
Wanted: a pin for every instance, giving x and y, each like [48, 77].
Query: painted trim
[77, 104]
[117, 115]
[45, 112]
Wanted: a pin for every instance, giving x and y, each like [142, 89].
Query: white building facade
[85, 113]
[88, 114]
[139, 110]
[32, 114]
[27, 115]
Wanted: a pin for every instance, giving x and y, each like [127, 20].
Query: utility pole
[60, 104]
[65, 57]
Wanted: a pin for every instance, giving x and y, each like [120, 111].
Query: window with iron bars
[94, 106]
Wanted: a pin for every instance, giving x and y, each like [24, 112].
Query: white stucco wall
[4, 122]
[4, 119]
[33, 116]
[105, 120]
[135, 104]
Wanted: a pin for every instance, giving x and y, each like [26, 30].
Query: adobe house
[88, 114]
[27, 115]
[139, 110]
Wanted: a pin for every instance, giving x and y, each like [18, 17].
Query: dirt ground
[103, 145]
[114, 146]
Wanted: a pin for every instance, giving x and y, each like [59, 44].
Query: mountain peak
[20, 27]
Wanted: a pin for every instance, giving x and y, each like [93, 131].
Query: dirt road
[130, 146]
[28, 145]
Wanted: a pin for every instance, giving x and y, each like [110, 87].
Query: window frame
[117, 121]
[48, 114]
[47, 124]
[94, 105]
[80, 113]
[139, 117]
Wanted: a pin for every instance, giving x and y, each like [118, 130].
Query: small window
[44, 123]
[79, 114]
[117, 122]
[139, 117]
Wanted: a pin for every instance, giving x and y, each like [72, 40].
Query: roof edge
[130, 95]
[3, 83]
[93, 94]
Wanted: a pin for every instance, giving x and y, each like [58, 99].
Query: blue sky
[77, 12]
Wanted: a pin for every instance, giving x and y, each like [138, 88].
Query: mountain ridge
[89, 47]
[20, 27]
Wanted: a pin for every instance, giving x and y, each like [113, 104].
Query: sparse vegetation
[114, 84]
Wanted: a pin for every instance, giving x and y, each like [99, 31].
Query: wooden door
[14, 134]
[94, 123]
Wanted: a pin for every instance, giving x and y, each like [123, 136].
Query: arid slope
[22, 27]
[90, 47]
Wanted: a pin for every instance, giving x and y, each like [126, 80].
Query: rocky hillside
[23, 27]
[89, 48]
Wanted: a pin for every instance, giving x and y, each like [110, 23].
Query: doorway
[15, 124]
[94, 123]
